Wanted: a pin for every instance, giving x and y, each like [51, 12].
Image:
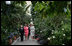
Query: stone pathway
[25, 42]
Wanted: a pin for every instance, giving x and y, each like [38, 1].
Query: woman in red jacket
[26, 31]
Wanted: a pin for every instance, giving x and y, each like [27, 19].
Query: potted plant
[14, 36]
[9, 40]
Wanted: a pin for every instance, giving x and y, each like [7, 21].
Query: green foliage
[12, 16]
[51, 16]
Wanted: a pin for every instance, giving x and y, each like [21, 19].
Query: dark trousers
[21, 37]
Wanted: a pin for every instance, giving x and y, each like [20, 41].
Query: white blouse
[32, 28]
[32, 32]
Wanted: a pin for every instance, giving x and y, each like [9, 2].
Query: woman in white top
[32, 30]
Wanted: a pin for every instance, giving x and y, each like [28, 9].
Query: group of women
[27, 31]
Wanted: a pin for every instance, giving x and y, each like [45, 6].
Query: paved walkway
[25, 42]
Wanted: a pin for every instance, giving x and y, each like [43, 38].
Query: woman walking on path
[26, 31]
[32, 31]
